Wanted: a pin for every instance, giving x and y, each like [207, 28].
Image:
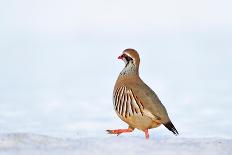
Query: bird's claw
[113, 132]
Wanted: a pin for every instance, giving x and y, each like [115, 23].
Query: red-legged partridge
[136, 103]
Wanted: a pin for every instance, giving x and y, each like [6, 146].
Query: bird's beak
[120, 57]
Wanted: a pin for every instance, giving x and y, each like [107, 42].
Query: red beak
[120, 57]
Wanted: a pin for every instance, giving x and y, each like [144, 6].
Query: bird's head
[130, 56]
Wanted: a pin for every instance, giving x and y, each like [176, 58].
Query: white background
[58, 64]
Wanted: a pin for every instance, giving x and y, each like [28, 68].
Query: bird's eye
[124, 55]
[127, 58]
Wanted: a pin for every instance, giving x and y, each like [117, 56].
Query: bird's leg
[119, 131]
[146, 134]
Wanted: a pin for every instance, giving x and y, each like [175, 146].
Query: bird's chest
[126, 103]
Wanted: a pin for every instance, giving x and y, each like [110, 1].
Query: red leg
[119, 131]
[146, 134]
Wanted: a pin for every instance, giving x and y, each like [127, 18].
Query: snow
[25, 143]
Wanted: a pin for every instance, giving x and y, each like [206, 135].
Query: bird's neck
[130, 69]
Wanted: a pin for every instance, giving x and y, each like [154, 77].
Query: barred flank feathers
[171, 127]
[126, 104]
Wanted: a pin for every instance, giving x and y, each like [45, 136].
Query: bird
[135, 102]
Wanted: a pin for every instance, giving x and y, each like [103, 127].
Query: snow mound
[25, 143]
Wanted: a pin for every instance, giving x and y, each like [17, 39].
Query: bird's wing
[150, 101]
[153, 107]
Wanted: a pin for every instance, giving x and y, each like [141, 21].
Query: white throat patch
[130, 68]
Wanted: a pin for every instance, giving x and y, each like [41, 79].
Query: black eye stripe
[128, 58]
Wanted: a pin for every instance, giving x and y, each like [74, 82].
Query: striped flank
[126, 103]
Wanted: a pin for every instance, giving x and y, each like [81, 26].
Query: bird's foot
[119, 131]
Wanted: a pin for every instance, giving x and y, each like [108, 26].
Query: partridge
[136, 103]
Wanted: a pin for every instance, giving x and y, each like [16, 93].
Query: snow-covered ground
[23, 144]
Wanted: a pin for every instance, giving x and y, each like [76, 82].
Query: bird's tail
[171, 127]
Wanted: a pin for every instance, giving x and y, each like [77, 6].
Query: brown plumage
[135, 102]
